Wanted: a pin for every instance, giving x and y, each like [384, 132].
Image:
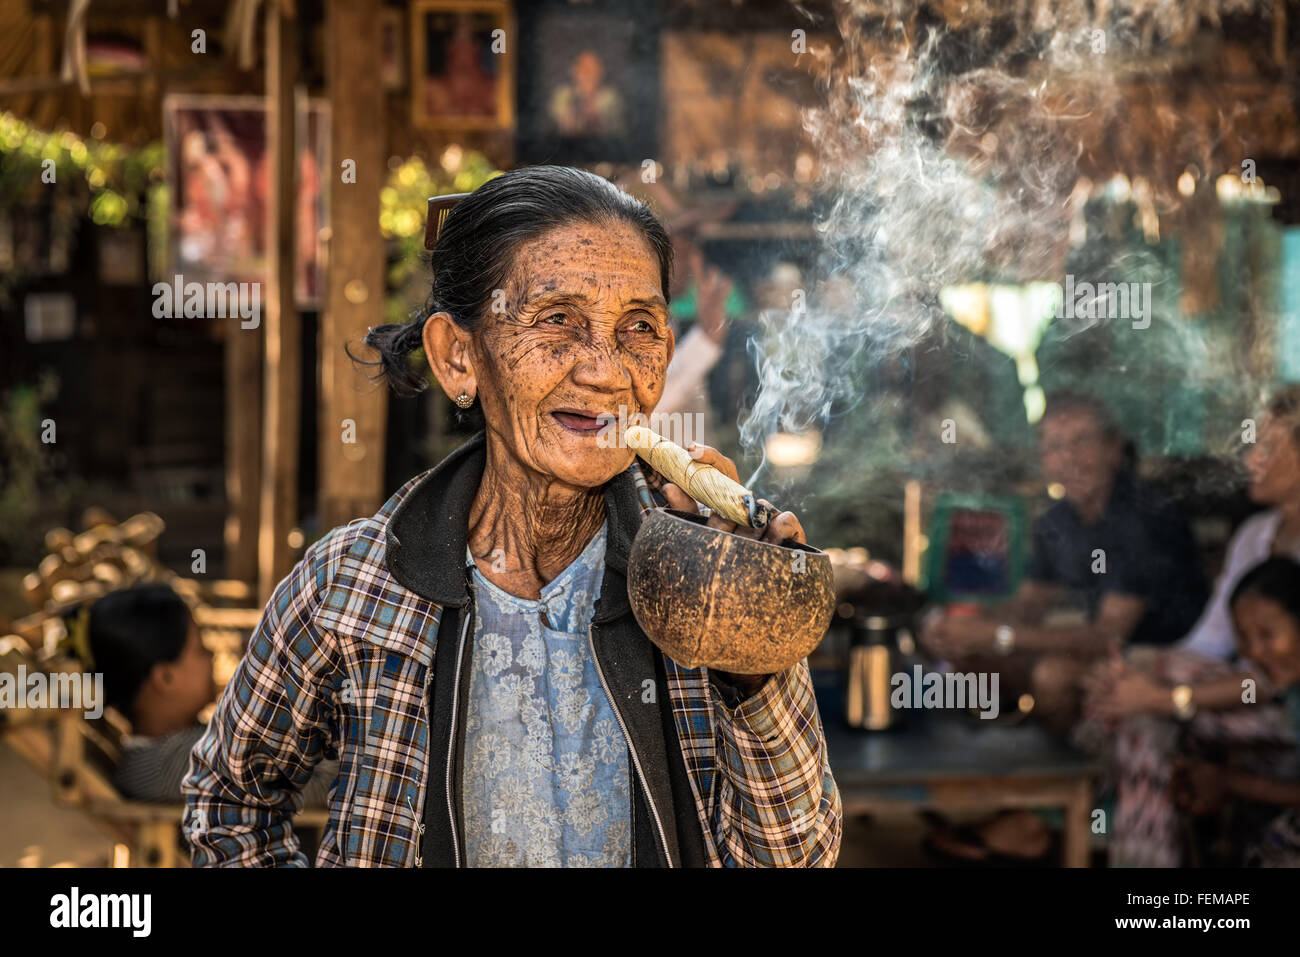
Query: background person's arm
[1133, 692]
[1250, 787]
[1202, 788]
[696, 354]
[1116, 620]
[1030, 604]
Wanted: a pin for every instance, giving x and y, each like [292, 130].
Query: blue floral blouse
[546, 776]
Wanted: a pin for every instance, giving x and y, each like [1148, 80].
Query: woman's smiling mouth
[582, 423]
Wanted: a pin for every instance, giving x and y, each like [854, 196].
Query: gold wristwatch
[1184, 706]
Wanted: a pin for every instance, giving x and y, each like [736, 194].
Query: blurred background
[885, 216]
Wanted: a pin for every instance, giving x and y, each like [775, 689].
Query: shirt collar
[427, 533]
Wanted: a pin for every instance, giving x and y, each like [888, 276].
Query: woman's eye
[556, 318]
[642, 325]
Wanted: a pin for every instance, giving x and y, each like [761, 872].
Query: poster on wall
[588, 83]
[219, 179]
[462, 65]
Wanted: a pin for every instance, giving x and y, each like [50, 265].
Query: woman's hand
[781, 528]
[1115, 690]
[950, 637]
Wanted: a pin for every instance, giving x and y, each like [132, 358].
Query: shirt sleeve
[777, 803]
[270, 729]
[1151, 560]
[153, 772]
[695, 355]
[1213, 635]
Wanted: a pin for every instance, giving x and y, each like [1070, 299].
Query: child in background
[1266, 614]
[158, 674]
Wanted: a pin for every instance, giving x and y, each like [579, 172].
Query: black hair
[1277, 579]
[1068, 401]
[475, 250]
[132, 630]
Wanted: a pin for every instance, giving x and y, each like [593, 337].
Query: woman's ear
[447, 349]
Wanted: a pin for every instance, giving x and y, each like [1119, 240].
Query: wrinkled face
[583, 333]
[1268, 636]
[1274, 463]
[1077, 454]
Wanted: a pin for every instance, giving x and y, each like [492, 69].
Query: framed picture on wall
[589, 82]
[220, 181]
[462, 64]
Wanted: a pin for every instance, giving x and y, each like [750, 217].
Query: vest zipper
[451, 747]
[631, 748]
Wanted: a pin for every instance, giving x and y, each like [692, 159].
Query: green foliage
[112, 178]
[28, 490]
[403, 207]
[112, 184]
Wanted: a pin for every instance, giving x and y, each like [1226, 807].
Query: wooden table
[957, 763]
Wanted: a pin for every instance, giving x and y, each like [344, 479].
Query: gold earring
[464, 400]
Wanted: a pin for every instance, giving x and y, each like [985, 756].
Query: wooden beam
[243, 450]
[281, 323]
[352, 410]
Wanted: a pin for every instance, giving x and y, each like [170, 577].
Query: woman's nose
[602, 368]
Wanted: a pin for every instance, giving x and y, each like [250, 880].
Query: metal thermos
[872, 663]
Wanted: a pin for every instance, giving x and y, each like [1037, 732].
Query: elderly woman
[468, 653]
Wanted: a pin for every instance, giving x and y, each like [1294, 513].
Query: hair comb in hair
[439, 208]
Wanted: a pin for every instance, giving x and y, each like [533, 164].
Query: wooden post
[281, 324]
[352, 410]
[913, 549]
[243, 450]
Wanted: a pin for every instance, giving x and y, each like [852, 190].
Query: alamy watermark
[946, 690]
[126, 911]
[72, 691]
[680, 427]
[1104, 300]
[179, 299]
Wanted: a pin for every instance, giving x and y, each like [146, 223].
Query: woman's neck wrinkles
[526, 528]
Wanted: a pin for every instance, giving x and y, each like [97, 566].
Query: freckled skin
[585, 327]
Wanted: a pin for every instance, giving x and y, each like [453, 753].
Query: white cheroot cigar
[701, 482]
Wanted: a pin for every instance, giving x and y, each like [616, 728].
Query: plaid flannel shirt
[338, 668]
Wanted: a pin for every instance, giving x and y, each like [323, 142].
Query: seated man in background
[158, 674]
[1110, 548]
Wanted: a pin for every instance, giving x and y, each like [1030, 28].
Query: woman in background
[1195, 690]
[1265, 608]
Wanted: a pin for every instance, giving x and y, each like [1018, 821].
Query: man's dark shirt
[1148, 553]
